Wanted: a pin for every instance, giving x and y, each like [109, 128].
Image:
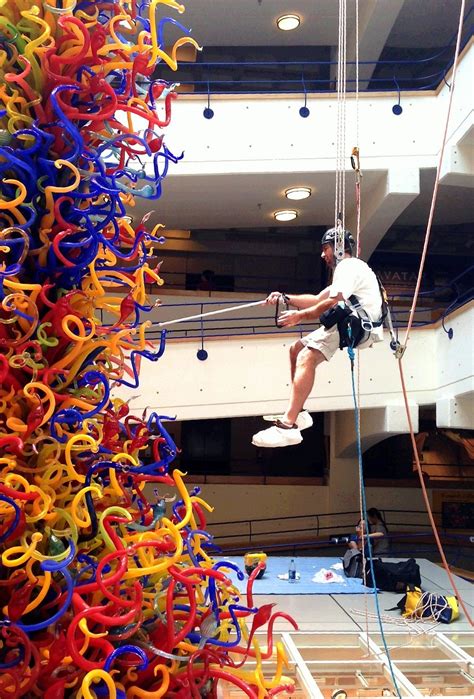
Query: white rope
[356, 150]
[412, 626]
[340, 193]
[429, 602]
[210, 313]
[357, 68]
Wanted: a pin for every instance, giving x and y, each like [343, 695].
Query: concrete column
[376, 19]
[456, 412]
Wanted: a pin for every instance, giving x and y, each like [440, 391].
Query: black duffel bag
[393, 577]
[352, 563]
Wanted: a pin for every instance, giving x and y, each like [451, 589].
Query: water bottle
[292, 571]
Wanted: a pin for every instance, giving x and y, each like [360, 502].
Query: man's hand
[273, 298]
[289, 318]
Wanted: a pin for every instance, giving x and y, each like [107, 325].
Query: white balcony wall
[249, 375]
[266, 134]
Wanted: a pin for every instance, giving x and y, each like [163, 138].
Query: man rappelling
[350, 310]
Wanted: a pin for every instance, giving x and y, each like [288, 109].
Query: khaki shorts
[327, 341]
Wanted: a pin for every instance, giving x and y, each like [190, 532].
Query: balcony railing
[431, 308]
[316, 76]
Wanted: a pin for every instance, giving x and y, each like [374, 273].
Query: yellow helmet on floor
[251, 561]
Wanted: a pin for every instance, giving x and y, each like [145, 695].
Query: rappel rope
[365, 536]
[339, 250]
[355, 155]
[355, 162]
[340, 195]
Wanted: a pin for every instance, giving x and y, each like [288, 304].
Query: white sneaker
[303, 421]
[277, 437]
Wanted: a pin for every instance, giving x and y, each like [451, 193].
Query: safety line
[427, 501]
[436, 184]
[356, 166]
[211, 313]
[410, 323]
[364, 508]
[340, 189]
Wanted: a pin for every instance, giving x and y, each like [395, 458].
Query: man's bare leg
[295, 349]
[307, 360]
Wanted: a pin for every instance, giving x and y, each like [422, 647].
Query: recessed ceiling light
[298, 193]
[288, 22]
[285, 215]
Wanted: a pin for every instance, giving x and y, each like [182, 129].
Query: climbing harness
[350, 315]
[353, 322]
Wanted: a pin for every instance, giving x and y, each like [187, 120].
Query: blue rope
[351, 353]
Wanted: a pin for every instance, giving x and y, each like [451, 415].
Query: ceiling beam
[458, 162]
[380, 208]
[376, 424]
[376, 19]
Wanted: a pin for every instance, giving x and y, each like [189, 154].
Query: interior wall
[253, 502]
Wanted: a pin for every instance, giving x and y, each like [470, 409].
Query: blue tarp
[270, 584]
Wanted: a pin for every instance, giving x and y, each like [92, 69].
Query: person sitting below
[207, 282]
[356, 539]
[378, 532]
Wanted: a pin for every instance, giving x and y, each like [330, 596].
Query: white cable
[358, 175]
[340, 193]
[413, 626]
[357, 69]
[210, 313]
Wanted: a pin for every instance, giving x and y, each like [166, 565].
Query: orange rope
[436, 185]
[410, 323]
[427, 501]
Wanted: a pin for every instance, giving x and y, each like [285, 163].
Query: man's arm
[300, 301]
[290, 318]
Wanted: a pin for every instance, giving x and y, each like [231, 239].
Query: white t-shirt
[353, 276]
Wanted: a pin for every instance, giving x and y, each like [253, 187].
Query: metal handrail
[319, 514]
[254, 538]
[255, 325]
[211, 85]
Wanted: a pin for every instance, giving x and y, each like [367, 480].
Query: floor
[348, 612]
[338, 649]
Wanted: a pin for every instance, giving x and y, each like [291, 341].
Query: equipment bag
[352, 563]
[417, 604]
[393, 577]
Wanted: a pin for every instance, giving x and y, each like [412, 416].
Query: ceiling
[253, 22]
[248, 200]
